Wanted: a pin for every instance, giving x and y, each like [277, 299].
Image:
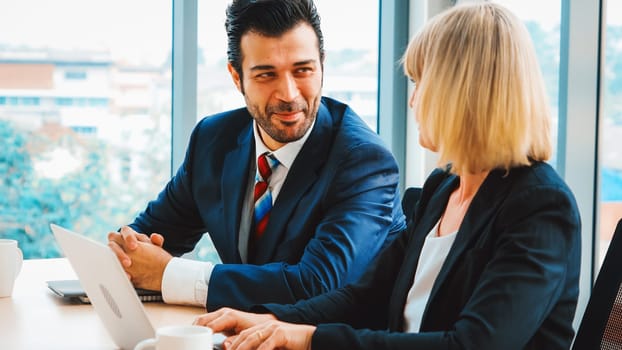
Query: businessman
[297, 194]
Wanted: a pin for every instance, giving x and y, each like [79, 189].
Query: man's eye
[265, 75]
[304, 70]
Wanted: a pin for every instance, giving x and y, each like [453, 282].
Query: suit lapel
[486, 201]
[302, 175]
[236, 169]
[433, 211]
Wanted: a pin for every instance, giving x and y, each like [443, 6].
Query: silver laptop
[110, 291]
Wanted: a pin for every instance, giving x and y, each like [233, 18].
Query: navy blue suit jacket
[510, 280]
[337, 208]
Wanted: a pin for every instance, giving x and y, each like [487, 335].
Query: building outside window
[85, 118]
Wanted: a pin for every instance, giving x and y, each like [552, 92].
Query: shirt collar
[286, 154]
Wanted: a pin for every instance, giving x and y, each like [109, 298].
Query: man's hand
[141, 256]
[257, 331]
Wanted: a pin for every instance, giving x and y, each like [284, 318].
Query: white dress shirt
[433, 255]
[186, 281]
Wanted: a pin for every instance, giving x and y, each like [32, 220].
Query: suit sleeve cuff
[185, 282]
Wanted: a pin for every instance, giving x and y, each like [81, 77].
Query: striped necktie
[262, 196]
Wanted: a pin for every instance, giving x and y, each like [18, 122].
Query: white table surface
[35, 318]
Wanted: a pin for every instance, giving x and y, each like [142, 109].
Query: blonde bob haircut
[479, 94]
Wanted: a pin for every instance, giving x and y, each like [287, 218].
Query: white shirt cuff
[185, 282]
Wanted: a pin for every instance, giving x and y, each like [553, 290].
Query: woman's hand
[230, 321]
[272, 335]
[256, 331]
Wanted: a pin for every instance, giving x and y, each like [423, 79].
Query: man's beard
[280, 131]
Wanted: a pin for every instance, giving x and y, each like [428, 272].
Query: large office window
[85, 126]
[610, 151]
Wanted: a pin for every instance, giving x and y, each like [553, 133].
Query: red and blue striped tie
[263, 198]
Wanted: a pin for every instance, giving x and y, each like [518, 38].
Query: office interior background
[97, 100]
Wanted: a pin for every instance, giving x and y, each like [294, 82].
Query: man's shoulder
[234, 118]
[348, 125]
[222, 130]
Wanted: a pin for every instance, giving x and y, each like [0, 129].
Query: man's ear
[235, 77]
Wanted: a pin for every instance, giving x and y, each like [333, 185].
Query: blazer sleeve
[536, 247]
[363, 304]
[361, 213]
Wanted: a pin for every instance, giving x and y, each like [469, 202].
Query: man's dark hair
[271, 18]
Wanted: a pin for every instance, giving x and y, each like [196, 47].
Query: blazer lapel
[486, 201]
[433, 211]
[302, 175]
[236, 169]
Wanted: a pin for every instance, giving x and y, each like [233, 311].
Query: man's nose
[288, 88]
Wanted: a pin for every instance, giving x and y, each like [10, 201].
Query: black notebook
[71, 289]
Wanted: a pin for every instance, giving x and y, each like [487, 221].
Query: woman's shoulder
[540, 184]
[538, 174]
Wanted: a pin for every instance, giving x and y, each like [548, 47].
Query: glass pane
[85, 100]
[215, 89]
[350, 72]
[610, 156]
[543, 19]
[351, 41]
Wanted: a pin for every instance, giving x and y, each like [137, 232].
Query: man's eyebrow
[262, 67]
[270, 67]
[304, 63]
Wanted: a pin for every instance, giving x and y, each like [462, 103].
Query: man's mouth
[288, 117]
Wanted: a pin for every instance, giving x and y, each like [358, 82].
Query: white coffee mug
[10, 264]
[188, 337]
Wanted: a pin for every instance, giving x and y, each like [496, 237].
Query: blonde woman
[490, 259]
